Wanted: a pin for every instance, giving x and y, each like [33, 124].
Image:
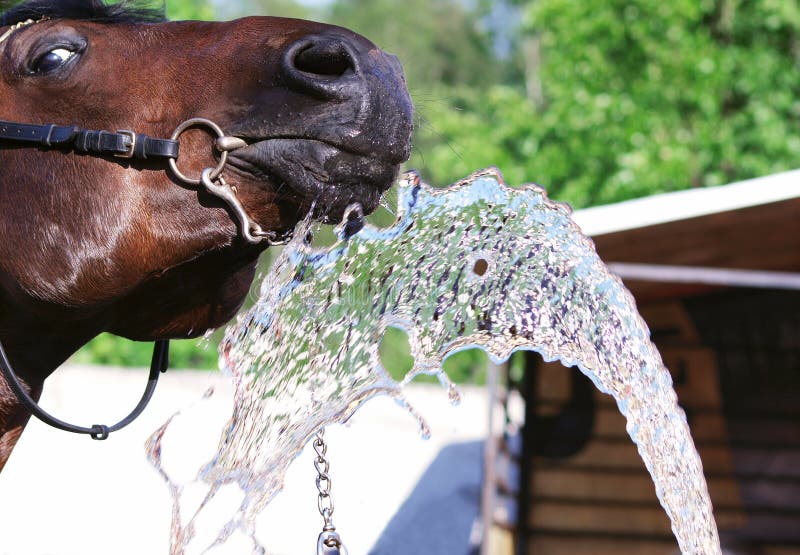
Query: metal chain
[329, 542]
[321, 464]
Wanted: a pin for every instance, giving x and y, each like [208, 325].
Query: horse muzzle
[344, 132]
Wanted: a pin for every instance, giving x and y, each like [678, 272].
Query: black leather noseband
[120, 144]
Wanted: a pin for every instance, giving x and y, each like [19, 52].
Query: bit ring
[223, 160]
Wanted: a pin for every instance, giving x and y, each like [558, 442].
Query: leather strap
[123, 144]
[159, 364]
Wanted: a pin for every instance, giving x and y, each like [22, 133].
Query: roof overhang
[750, 225]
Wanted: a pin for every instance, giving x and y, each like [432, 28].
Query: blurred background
[597, 100]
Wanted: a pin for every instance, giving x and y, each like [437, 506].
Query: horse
[302, 118]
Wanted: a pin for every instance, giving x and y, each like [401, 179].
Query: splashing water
[474, 265]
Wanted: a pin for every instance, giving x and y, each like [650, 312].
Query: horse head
[92, 244]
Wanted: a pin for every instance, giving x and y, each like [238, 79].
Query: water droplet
[454, 395]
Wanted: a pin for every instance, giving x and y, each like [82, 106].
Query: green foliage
[637, 97]
[438, 41]
[277, 8]
[395, 353]
[111, 350]
[686, 93]
[462, 367]
[466, 129]
[190, 9]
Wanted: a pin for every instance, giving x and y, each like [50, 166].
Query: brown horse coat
[89, 244]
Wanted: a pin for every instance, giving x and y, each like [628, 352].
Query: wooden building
[716, 275]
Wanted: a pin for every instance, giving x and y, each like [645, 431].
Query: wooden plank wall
[602, 500]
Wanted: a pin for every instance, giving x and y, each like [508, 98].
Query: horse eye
[52, 60]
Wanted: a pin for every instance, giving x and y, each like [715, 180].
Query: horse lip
[317, 170]
[255, 141]
[257, 153]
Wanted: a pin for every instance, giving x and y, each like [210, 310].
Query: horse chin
[312, 173]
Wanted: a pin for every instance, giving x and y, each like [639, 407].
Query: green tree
[438, 41]
[278, 8]
[190, 9]
[626, 98]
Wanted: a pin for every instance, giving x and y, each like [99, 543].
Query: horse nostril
[322, 65]
[326, 59]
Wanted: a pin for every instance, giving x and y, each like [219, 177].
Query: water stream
[478, 264]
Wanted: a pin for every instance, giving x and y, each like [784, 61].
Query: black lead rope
[158, 365]
[120, 144]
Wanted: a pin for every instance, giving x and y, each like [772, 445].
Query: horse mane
[89, 10]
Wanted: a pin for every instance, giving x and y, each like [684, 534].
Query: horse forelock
[88, 10]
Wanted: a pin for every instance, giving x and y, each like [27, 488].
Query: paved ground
[395, 493]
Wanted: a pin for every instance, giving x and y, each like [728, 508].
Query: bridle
[126, 144]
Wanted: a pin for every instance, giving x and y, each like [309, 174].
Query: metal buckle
[132, 136]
